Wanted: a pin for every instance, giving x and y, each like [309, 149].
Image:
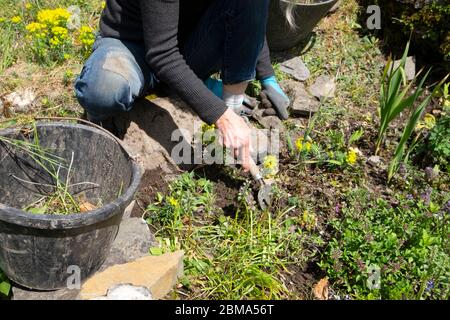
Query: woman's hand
[235, 136]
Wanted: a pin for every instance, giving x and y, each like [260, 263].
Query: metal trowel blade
[265, 196]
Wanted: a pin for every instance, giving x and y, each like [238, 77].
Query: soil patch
[153, 181]
[226, 188]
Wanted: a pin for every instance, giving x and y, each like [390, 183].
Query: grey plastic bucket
[41, 251]
[280, 35]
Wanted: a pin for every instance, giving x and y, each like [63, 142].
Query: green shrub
[407, 240]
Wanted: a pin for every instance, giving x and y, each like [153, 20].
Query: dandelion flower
[28, 6]
[270, 162]
[270, 166]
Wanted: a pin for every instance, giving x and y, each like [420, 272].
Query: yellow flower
[207, 127]
[54, 42]
[303, 146]
[67, 56]
[37, 29]
[352, 156]
[28, 6]
[173, 202]
[429, 121]
[86, 36]
[270, 166]
[270, 162]
[60, 32]
[308, 146]
[299, 144]
[16, 19]
[2, 20]
[103, 4]
[54, 17]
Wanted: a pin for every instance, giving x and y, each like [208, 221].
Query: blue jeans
[228, 38]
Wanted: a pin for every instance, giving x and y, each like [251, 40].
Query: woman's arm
[160, 24]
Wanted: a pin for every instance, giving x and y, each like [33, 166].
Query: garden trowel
[265, 189]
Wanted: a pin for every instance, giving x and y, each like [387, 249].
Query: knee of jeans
[104, 94]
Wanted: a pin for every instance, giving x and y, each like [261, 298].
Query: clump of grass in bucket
[60, 200]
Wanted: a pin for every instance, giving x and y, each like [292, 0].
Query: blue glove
[277, 97]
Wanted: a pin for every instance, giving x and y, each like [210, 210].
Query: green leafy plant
[395, 98]
[407, 243]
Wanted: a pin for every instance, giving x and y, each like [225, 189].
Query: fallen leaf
[321, 289]
[86, 206]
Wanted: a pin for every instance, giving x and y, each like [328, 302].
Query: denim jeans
[228, 38]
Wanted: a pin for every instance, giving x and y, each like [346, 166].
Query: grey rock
[132, 242]
[25, 294]
[20, 101]
[127, 292]
[410, 67]
[270, 112]
[296, 68]
[272, 122]
[374, 161]
[149, 128]
[250, 102]
[323, 87]
[303, 104]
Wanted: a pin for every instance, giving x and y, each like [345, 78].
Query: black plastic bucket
[45, 251]
[280, 35]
